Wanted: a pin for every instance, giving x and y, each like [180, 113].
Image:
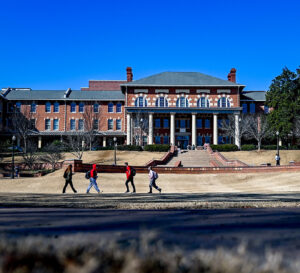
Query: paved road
[278, 229]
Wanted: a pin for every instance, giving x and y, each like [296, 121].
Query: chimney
[129, 74]
[232, 75]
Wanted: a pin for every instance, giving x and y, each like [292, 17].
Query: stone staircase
[191, 158]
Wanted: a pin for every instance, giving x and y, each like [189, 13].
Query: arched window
[223, 102]
[81, 107]
[203, 102]
[33, 107]
[48, 107]
[96, 108]
[161, 102]
[73, 107]
[141, 102]
[110, 107]
[56, 107]
[182, 102]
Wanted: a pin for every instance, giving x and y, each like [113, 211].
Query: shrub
[248, 147]
[225, 147]
[157, 148]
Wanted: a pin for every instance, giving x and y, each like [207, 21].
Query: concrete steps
[191, 158]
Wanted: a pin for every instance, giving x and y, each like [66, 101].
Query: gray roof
[253, 95]
[59, 95]
[181, 79]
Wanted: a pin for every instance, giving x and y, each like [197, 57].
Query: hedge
[248, 147]
[224, 147]
[157, 148]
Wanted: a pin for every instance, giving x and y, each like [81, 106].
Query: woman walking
[68, 176]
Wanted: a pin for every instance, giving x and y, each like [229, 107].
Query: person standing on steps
[153, 176]
[130, 173]
[68, 177]
[93, 178]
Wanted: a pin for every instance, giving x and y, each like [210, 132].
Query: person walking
[153, 176]
[277, 159]
[130, 173]
[93, 178]
[68, 177]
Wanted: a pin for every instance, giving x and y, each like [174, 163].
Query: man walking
[277, 159]
[129, 178]
[153, 176]
[93, 177]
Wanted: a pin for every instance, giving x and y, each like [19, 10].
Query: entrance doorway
[182, 141]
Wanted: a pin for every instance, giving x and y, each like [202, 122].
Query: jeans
[93, 183]
[153, 184]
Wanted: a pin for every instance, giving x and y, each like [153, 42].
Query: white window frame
[54, 120]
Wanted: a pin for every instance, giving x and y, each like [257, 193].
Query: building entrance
[182, 141]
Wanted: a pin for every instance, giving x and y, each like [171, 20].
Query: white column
[150, 137]
[40, 142]
[237, 130]
[128, 129]
[194, 129]
[104, 141]
[215, 129]
[172, 129]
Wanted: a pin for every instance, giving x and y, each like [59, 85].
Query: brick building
[181, 108]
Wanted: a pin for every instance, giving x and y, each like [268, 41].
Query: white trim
[203, 91]
[223, 91]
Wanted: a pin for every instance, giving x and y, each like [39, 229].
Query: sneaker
[159, 190]
[127, 192]
[150, 192]
[133, 192]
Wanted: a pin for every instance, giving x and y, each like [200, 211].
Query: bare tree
[228, 126]
[75, 143]
[90, 126]
[141, 126]
[258, 128]
[52, 154]
[296, 129]
[30, 155]
[21, 122]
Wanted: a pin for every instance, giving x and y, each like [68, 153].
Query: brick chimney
[232, 75]
[129, 74]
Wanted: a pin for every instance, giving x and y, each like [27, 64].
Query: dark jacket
[68, 176]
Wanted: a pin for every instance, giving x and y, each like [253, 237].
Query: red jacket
[93, 171]
[128, 171]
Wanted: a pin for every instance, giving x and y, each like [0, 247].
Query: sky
[57, 44]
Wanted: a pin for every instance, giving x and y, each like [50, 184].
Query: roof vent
[67, 93]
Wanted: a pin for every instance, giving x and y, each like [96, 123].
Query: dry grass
[254, 158]
[75, 254]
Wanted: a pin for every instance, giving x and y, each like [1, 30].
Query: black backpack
[88, 175]
[133, 172]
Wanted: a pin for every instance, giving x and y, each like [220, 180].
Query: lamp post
[13, 157]
[141, 130]
[278, 158]
[115, 155]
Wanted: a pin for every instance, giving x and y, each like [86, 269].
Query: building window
[245, 108]
[95, 124]
[157, 123]
[203, 102]
[207, 123]
[166, 123]
[110, 124]
[182, 102]
[161, 102]
[207, 139]
[48, 107]
[32, 124]
[33, 108]
[47, 124]
[199, 140]
[157, 140]
[252, 108]
[166, 140]
[141, 102]
[18, 107]
[10, 107]
[119, 107]
[56, 107]
[199, 123]
[119, 124]
[110, 107]
[55, 124]
[72, 125]
[220, 121]
[81, 107]
[96, 108]
[266, 109]
[224, 102]
[73, 107]
[80, 124]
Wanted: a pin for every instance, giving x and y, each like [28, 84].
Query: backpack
[88, 175]
[133, 172]
[65, 174]
[155, 174]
